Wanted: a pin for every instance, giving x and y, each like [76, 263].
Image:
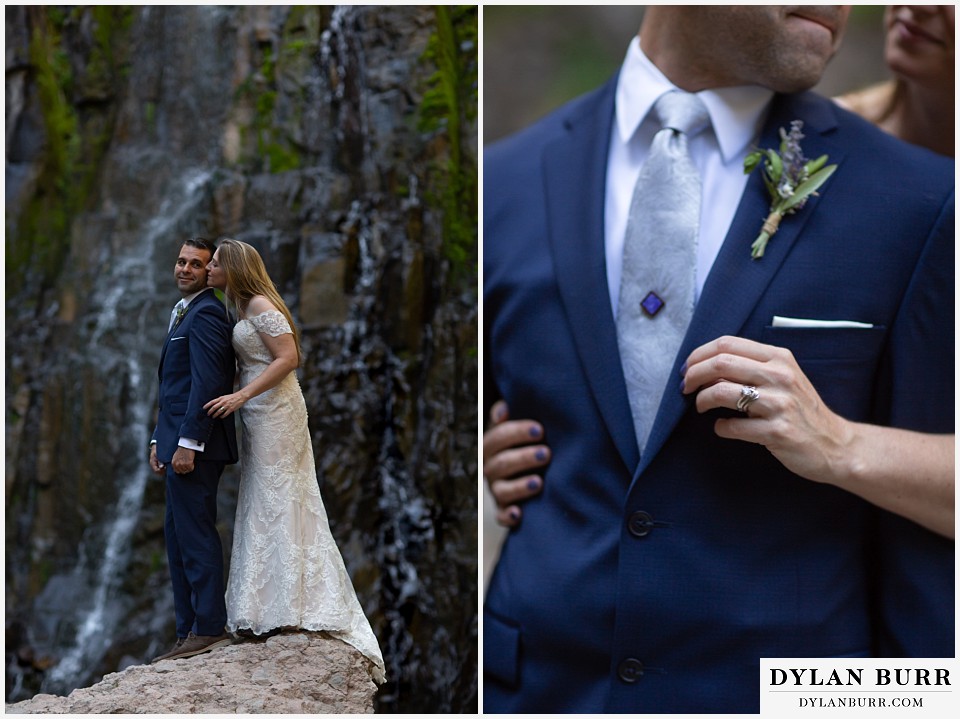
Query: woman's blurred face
[216, 277]
[919, 45]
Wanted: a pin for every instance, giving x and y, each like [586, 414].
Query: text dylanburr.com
[852, 687]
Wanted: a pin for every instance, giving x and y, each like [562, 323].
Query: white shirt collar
[735, 112]
[189, 298]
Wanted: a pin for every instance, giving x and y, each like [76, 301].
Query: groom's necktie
[173, 315]
[660, 259]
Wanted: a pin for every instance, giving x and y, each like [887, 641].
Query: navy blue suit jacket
[197, 364]
[656, 584]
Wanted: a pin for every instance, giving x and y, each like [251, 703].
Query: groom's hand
[183, 460]
[155, 465]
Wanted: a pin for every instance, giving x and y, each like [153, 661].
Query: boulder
[302, 673]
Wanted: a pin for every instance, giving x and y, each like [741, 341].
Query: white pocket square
[174, 339]
[827, 324]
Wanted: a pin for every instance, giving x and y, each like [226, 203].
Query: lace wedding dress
[285, 570]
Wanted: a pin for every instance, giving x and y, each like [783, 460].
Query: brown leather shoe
[194, 644]
[176, 646]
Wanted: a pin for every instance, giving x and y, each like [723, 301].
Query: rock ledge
[286, 674]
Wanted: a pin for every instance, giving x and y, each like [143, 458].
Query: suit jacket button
[630, 670]
[640, 524]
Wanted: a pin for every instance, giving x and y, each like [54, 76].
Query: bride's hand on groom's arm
[225, 405]
[286, 359]
[510, 462]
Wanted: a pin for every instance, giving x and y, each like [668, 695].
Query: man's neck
[679, 68]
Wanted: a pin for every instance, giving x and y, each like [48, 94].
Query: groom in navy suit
[655, 581]
[191, 449]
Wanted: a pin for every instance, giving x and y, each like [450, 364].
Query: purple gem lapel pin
[651, 304]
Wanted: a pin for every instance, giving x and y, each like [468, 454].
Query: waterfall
[350, 92]
[340, 13]
[94, 636]
[135, 273]
[120, 346]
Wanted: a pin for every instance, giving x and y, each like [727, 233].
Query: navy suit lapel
[166, 343]
[736, 282]
[194, 303]
[572, 166]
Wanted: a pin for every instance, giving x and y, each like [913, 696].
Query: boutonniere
[790, 179]
[181, 311]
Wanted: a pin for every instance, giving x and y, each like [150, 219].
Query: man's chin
[802, 77]
[189, 288]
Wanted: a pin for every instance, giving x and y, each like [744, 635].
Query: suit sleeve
[210, 354]
[919, 365]
[914, 567]
[490, 392]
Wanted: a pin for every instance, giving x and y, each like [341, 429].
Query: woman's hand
[788, 417]
[510, 462]
[225, 405]
[910, 473]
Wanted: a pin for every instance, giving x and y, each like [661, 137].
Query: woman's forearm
[269, 378]
[908, 473]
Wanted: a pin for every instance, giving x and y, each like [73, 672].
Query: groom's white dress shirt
[736, 116]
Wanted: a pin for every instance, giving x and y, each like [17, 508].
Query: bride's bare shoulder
[259, 304]
[871, 103]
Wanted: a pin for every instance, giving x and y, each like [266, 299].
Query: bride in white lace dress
[285, 569]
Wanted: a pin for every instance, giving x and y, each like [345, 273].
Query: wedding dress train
[286, 569]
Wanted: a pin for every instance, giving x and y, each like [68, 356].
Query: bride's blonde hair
[247, 277]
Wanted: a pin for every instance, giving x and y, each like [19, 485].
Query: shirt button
[640, 524]
[630, 670]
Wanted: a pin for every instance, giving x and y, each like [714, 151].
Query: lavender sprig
[790, 179]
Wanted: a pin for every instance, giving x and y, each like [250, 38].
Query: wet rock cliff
[342, 143]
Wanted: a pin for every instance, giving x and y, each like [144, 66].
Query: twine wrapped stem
[770, 227]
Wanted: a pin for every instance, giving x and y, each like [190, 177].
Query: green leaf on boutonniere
[751, 161]
[790, 178]
[808, 187]
[181, 312]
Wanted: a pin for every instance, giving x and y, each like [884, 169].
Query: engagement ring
[748, 395]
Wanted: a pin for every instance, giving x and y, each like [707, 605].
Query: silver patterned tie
[658, 285]
[173, 315]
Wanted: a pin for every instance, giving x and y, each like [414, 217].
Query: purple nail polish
[683, 369]
[541, 455]
[533, 484]
[535, 431]
[514, 514]
[683, 385]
